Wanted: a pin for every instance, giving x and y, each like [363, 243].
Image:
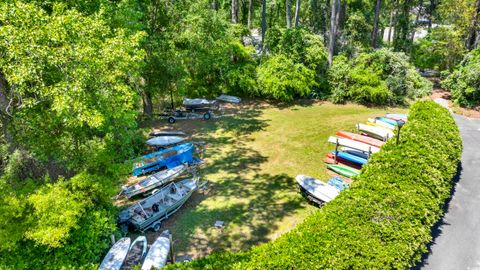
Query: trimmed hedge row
[384, 220]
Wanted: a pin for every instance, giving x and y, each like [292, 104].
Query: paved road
[457, 241]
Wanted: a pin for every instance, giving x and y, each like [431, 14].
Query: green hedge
[384, 220]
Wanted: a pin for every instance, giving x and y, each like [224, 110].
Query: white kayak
[354, 144]
[379, 132]
[167, 133]
[316, 188]
[231, 99]
[381, 123]
[158, 254]
[165, 140]
[116, 255]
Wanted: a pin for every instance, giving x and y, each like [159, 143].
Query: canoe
[317, 189]
[165, 140]
[350, 157]
[136, 253]
[353, 144]
[398, 115]
[167, 133]
[149, 212]
[158, 253]
[387, 120]
[377, 132]
[231, 99]
[380, 123]
[169, 158]
[158, 179]
[355, 152]
[116, 255]
[343, 170]
[338, 183]
[360, 138]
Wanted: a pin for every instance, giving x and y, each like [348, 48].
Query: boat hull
[317, 189]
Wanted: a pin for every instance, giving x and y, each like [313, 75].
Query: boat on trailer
[168, 158]
[155, 180]
[151, 211]
[200, 104]
[167, 133]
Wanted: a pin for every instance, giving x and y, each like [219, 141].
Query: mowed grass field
[252, 159]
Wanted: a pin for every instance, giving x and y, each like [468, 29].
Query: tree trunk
[417, 18]
[264, 22]
[250, 13]
[147, 104]
[391, 24]
[375, 24]
[288, 14]
[473, 27]
[234, 11]
[333, 29]
[5, 118]
[431, 9]
[297, 13]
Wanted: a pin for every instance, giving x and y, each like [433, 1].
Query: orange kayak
[360, 138]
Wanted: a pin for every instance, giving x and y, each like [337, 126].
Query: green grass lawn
[252, 159]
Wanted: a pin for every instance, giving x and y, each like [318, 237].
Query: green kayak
[343, 170]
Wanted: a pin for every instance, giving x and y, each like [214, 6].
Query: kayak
[330, 159]
[338, 183]
[379, 123]
[355, 152]
[165, 140]
[396, 118]
[399, 115]
[158, 254]
[167, 133]
[136, 253]
[387, 120]
[343, 170]
[116, 255]
[360, 138]
[375, 131]
[353, 144]
[350, 157]
[316, 188]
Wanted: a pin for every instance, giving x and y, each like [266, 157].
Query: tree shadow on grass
[437, 228]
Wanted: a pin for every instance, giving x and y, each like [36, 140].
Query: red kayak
[330, 159]
[360, 138]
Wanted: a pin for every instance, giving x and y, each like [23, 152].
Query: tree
[375, 24]
[264, 24]
[297, 12]
[288, 14]
[250, 14]
[473, 31]
[234, 11]
[333, 29]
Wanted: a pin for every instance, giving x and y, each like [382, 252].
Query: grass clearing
[252, 159]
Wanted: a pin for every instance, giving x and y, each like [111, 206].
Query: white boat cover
[320, 190]
[116, 255]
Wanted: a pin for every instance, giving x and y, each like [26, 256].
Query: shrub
[464, 81]
[440, 50]
[280, 78]
[380, 77]
[384, 220]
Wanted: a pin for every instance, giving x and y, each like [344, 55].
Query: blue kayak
[167, 158]
[388, 121]
[355, 152]
[338, 183]
[350, 157]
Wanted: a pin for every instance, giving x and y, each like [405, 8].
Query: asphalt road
[456, 242]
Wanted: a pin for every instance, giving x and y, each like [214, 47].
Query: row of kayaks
[352, 151]
[126, 255]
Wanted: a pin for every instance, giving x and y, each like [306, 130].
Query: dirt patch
[442, 93]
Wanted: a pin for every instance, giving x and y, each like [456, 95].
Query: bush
[384, 220]
[280, 78]
[464, 81]
[380, 77]
[440, 50]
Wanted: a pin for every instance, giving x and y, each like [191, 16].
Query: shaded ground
[253, 154]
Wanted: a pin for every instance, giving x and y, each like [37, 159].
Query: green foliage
[464, 82]
[280, 78]
[371, 225]
[379, 77]
[440, 50]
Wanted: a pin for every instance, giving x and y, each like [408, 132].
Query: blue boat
[350, 157]
[167, 158]
[388, 121]
[338, 183]
[355, 152]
